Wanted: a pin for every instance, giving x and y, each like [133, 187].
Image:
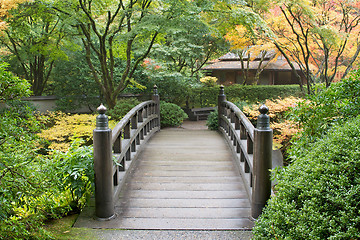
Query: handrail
[251, 148]
[114, 151]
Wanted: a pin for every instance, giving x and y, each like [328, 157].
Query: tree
[120, 31]
[249, 48]
[322, 37]
[5, 7]
[34, 36]
[187, 48]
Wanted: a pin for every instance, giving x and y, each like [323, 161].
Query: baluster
[242, 131]
[134, 121]
[250, 145]
[238, 147]
[133, 145]
[232, 116]
[237, 122]
[116, 177]
[247, 167]
[140, 116]
[121, 167]
[117, 144]
[242, 157]
[127, 131]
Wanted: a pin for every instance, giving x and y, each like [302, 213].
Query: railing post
[103, 165]
[156, 99]
[221, 99]
[261, 187]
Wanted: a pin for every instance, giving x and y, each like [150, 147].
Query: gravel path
[170, 235]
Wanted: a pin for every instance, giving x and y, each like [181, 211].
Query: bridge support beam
[103, 165]
[261, 187]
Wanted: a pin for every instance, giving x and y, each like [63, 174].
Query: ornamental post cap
[155, 90]
[263, 109]
[263, 121]
[101, 109]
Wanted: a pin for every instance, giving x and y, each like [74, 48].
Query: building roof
[279, 65]
[233, 56]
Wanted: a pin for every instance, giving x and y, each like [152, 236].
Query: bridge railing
[251, 147]
[115, 150]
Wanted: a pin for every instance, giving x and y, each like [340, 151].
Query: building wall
[228, 77]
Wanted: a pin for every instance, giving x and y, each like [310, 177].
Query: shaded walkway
[184, 179]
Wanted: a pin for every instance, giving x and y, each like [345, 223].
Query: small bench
[197, 114]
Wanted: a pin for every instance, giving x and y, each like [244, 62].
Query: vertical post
[221, 99]
[103, 165]
[156, 99]
[261, 185]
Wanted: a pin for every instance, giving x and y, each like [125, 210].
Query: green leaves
[76, 172]
[171, 115]
[12, 87]
[317, 196]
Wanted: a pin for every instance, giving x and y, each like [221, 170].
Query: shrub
[11, 86]
[209, 81]
[283, 128]
[328, 107]
[318, 194]
[66, 129]
[171, 115]
[76, 173]
[122, 107]
[212, 121]
[207, 96]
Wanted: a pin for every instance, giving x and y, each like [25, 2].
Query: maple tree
[5, 7]
[34, 36]
[322, 37]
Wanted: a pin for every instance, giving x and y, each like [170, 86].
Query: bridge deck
[183, 179]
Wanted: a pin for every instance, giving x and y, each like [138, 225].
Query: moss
[61, 229]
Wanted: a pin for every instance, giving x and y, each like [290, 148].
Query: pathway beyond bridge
[184, 178]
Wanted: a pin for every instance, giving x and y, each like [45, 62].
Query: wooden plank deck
[183, 179]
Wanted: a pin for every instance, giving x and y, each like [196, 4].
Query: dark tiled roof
[279, 65]
[231, 56]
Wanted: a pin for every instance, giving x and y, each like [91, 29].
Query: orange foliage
[5, 6]
[283, 129]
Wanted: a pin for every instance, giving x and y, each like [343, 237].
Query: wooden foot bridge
[185, 178]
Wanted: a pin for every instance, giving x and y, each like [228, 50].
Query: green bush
[319, 112]
[317, 196]
[212, 122]
[207, 96]
[77, 172]
[171, 115]
[122, 107]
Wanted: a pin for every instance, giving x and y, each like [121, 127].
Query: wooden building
[228, 70]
